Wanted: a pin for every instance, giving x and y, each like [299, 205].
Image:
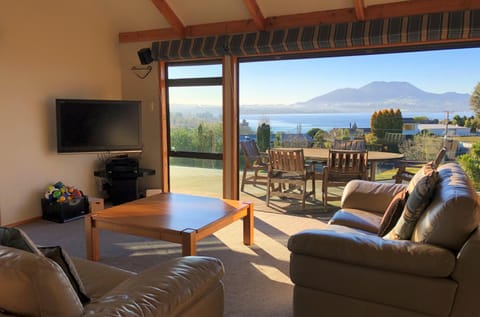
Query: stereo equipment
[145, 55]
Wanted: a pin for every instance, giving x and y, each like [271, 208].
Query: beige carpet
[257, 279]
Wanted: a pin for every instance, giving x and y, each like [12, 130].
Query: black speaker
[145, 55]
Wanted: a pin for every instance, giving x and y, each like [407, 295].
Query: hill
[373, 96]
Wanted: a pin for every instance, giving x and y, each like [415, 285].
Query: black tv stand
[122, 175]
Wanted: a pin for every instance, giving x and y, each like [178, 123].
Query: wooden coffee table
[171, 217]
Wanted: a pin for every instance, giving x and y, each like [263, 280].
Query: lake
[289, 123]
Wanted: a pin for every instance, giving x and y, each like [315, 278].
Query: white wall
[146, 90]
[48, 49]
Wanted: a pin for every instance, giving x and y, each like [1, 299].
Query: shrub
[471, 164]
[422, 148]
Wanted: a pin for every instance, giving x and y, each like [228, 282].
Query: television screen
[98, 125]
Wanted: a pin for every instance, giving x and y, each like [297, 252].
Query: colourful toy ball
[61, 193]
[59, 185]
[56, 194]
[76, 193]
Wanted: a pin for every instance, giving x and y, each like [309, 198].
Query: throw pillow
[392, 213]
[16, 238]
[417, 202]
[426, 169]
[63, 260]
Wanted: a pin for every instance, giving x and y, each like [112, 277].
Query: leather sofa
[347, 269]
[33, 285]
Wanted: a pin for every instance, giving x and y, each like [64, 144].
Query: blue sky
[284, 82]
[290, 81]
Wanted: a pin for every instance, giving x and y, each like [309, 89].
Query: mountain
[374, 96]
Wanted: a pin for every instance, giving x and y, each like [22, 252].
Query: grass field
[469, 139]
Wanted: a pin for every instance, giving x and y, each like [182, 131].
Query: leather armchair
[32, 285]
[346, 269]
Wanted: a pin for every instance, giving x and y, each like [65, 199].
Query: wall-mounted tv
[85, 125]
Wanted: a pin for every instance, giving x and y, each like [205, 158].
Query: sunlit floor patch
[273, 273]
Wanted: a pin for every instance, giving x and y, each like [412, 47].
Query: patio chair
[288, 175]
[407, 168]
[342, 167]
[356, 145]
[254, 162]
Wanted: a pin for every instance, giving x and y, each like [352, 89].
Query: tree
[263, 137]
[313, 131]
[458, 120]
[471, 164]
[386, 120]
[475, 100]
[319, 138]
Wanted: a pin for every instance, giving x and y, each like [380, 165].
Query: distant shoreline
[291, 122]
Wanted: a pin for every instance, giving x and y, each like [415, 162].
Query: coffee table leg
[91, 235]
[189, 242]
[248, 226]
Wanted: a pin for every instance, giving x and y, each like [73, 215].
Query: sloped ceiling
[146, 20]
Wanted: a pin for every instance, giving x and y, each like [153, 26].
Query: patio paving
[208, 182]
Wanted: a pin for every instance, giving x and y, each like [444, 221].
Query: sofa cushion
[167, 289]
[357, 219]
[418, 200]
[16, 238]
[453, 214]
[33, 285]
[57, 255]
[426, 170]
[393, 213]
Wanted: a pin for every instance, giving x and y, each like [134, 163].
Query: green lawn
[469, 139]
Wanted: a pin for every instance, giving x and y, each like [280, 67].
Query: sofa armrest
[346, 245]
[168, 289]
[369, 196]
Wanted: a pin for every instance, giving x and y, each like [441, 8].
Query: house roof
[154, 20]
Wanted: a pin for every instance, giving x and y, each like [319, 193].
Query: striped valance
[438, 27]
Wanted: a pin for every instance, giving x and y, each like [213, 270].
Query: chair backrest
[357, 145]
[250, 151]
[451, 147]
[348, 162]
[287, 160]
[439, 157]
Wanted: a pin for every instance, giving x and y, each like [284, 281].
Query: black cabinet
[122, 179]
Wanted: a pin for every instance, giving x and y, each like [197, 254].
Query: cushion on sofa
[16, 238]
[454, 212]
[358, 219]
[166, 289]
[427, 169]
[393, 213]
[33, 285]
[57, 255]
[418, 200]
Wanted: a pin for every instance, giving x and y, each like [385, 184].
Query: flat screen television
[85, 125]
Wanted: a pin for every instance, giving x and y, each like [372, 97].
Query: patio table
[321, 155]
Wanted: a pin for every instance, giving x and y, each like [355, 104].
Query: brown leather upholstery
[348, 270]
[32, 285]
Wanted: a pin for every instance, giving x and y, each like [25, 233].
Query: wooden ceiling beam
[397, 9]
[359, 9]
[256, 14]
[416, 7]
[311, 18]
[170, 16]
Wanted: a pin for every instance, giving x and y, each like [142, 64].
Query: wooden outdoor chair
[288, 175]
[407, 168]
[254, 162]
[356, 145]
[343, 166]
